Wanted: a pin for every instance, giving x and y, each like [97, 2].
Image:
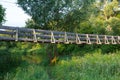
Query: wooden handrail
[8, 33]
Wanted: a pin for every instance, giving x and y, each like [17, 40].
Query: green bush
[31, 72]
[89, 67]
[8, 61]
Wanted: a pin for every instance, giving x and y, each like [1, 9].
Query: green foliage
[2, 14]
[109, 18]
[109, 9]
[13, 54]
[44, 11]
[8, 61]
[30, 72]
[85, 28]
[89, 67]
[115, 24]
[64, 15]
[31, 24]
[109, 48]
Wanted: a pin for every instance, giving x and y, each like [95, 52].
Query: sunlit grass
[31, 72]
[95, 66]
[89, 67]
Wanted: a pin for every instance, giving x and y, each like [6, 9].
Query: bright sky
[15, 16]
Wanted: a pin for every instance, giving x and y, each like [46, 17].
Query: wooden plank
[14, 28]
[6, 38]
[42, 31]
[58, 33]
[26, 30]
[16, 36]
[8, 27]
[25, 39]
[7, 32]
[25, 35]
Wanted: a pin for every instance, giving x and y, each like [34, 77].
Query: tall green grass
[30, 72]
[89, 67]
[95, 66]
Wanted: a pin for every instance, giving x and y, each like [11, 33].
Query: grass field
[89, 67]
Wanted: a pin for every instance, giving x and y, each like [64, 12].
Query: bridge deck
[45, 36]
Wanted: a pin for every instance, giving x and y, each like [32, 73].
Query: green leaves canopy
[2, 14]
[45, 12]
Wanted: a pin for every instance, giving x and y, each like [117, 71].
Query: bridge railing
[46, 36]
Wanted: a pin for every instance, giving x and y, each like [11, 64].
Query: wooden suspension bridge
[8, 33]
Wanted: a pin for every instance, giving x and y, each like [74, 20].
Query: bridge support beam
[98, 40]
[52, 37]
[88, 39]
[46, 36]
[66, 38]
[16, 36]
[34, 37]
[78, 39]
[113, 40]
[106, 40]
[118, 40]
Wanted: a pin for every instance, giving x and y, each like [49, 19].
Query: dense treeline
[22, 60]
[2, 14]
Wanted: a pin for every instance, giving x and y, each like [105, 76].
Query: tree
[106, 19]
[61, 15]
[2, 14]
[49, 14]
[109, 15]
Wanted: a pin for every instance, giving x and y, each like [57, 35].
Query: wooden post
[88, 39]
[113, 40]
[34, 36]
[52, 37]
[106, 40]
[118, 40]
[98, 40]
[16, 36]
[66, 39]
[77, 39]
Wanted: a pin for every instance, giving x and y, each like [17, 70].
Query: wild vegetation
[2, 14]
[94, 66]
[34, 61]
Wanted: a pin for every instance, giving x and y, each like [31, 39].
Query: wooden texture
[8, 33]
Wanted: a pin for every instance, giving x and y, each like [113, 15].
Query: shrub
[31, 72]
[89, 67]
